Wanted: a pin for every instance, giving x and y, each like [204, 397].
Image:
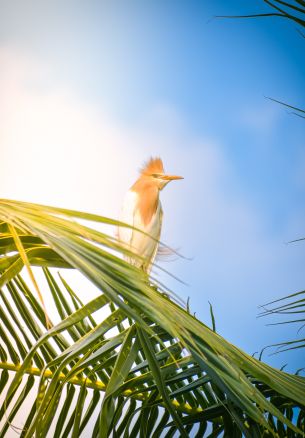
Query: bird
[142, 210]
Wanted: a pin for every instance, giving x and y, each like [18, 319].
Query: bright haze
[90, 90]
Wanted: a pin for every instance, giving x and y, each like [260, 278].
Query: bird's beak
[171, 177]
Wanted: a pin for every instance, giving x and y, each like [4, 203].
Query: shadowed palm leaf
[293, 307]
[292, 10]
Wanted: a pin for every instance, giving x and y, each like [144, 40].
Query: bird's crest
[153, 165]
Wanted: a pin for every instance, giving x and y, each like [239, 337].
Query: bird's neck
[148, 198]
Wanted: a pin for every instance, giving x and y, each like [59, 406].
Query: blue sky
[96, 87]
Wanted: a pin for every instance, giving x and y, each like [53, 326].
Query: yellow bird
[142, 209]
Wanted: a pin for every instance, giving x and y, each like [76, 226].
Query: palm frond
[297, 111]
[293, 307]
[150, 358]
[293, 10]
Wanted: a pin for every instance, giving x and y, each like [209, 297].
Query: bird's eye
[155, 175]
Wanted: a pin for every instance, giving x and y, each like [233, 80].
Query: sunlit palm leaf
[179, 365]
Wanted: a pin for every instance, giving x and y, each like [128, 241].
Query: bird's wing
[155, 251]
[128, 216]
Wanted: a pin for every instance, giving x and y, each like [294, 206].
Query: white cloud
[59, 149]
[55, 148]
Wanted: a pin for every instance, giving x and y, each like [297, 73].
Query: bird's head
[153, 170]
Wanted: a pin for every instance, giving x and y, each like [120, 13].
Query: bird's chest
[146, 244]
[135, 214]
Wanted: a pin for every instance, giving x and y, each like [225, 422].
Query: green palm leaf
[292, 10]
[293, 307]
[180, 374]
